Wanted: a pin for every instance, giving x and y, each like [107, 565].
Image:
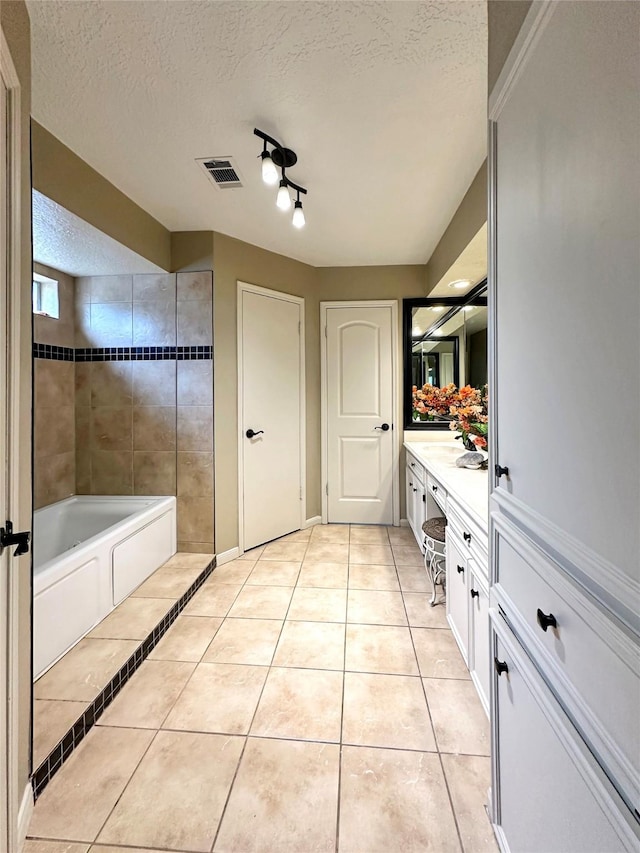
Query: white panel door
[270, 406]
[360, 414]
[4, 558]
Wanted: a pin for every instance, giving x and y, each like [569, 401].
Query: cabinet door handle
[501, 471]
[474, 593]
[460, 569]
[466, 537]
[434, 488]
[500, 666]
[415, 490]
[546, 620]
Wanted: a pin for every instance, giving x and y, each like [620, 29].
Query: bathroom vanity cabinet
[436, 487]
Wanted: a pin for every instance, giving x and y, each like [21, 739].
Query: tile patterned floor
[307, 699]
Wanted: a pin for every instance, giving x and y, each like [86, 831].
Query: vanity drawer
[472, 539]
[572, 638]
[416, 469]
[437, 492]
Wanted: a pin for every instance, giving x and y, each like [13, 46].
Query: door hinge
[299, 328]
[8, 538]
[326, 489]
[325, 331]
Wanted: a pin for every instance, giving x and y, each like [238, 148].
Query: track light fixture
[281, 158]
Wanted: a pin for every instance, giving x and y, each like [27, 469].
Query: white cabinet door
[409, 498]
[457, 595]
[360, 413]
[479, 657]
[552, 797]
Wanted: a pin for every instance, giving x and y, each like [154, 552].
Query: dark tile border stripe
[59, 754]
[84, 354]
[53, 352]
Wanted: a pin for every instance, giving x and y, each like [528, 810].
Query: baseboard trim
[227, 556]
[404, 522]
[24, 815]
[311, 522]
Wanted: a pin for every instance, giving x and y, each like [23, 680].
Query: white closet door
[360, 414]
[271, 400]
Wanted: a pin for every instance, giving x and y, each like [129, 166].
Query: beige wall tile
[111, 288]
[83, 471]
[111, 428]
[195, 428]
[54, 430]
[195, 519]
[111, 472]
[154, 383]
[195, 383]
[195, 474]
[83, 427]
[154, 472]
[196, 547]
[83, 324]
[154, 428]
[111, 383]
[111, 325]
[195, 285]
[154, 323]
[82, 290]
[154, 286]
[54, 478]
[195, 324]
[83, 383]
[54, 383]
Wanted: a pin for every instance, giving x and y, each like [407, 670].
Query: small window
[45, 296]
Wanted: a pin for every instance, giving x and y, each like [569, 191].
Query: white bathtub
[89, 553]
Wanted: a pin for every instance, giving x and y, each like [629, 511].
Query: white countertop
[469, 487]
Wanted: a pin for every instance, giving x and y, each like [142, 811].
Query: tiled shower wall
[54, 438]
[144, 393]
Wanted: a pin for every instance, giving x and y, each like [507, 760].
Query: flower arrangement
[430, 402]
[467, 408]
[470, 417]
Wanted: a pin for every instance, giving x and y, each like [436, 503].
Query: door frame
[19, 803]
[245, 287]
[395, 379]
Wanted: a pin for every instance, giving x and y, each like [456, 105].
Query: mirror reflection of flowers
[430, 402]
[470, 417]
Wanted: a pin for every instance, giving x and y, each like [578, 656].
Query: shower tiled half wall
[142, 377]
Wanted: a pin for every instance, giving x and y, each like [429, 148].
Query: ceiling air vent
[221, 171]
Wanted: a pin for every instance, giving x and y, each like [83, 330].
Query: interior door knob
[251, 434]
[384, 427]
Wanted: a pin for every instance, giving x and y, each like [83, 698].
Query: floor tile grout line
[344, 678]
[253, 717]
[433, 729]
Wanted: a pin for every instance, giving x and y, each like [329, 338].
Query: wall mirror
[445, 343]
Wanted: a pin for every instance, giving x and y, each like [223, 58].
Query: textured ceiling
[384, 102]
[67, 243]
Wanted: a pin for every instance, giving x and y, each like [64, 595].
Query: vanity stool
[434, 551]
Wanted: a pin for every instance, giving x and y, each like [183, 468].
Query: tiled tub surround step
[72, 696]
[268, 719]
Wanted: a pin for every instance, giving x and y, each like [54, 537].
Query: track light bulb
[269, 171]
[283, 199]
[298, 219]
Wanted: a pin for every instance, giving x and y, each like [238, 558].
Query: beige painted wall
[237, 261]
[14, 21]
[505, 18]
[62, 176]
[470, 216]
